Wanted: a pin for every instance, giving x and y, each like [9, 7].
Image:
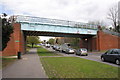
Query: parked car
[60, 48]
[69, 51]
[47, 45]
[81, 51]
[112, 55]
[52, 46]
[55, 47]
[64, 47]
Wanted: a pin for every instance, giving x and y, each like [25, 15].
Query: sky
[73, 10]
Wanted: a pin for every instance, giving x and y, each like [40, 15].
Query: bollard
[19, 55]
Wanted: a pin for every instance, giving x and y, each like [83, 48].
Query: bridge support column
[84, 43]
[107, 41]
[88, 43]
[16, 43]
[23, 42]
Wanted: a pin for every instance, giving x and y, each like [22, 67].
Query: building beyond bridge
[24, 26]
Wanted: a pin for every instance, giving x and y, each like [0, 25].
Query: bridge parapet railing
[111, 32]
[39, 20]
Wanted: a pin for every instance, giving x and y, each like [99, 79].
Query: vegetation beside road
[7, 30]
[73, 67]
[43, 52]
[29, 46]
[34, 46]
[33, 40]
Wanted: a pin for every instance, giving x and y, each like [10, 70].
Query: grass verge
[43, 52]
[34, 46]
[7, 61]
[73, 67]
[27, 49]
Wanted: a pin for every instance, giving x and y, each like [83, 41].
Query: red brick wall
[102, 41]
[16, 39]
[10, 49]
[107, 41]
[119, 42]
[83, 43]
[22, 42]
[94, 44]
[90, 44]
[17, 32]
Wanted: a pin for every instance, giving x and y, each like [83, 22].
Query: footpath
[27, 67]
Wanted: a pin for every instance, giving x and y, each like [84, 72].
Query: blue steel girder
[56, 34]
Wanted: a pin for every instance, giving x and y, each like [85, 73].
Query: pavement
[27, 67]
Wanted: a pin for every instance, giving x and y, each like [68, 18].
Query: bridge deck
[55, 26]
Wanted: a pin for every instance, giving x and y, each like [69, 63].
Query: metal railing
[39, 20]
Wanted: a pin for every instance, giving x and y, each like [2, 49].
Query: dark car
[112, 55]
[81, 51]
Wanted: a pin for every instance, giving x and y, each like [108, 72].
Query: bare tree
[113, 16]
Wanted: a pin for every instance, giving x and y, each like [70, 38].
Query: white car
[69, 51]
[47, 45]
[81, 51]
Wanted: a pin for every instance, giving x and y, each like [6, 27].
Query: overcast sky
[73, 10]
